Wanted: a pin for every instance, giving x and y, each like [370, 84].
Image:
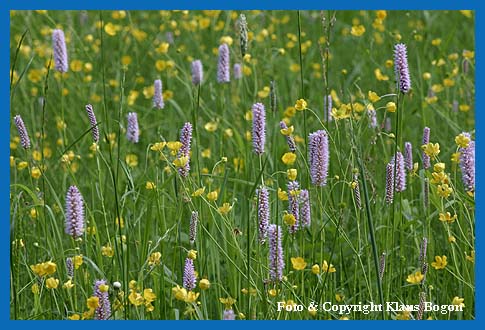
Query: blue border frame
[7, 5]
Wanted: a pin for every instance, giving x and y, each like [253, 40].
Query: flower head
[318, 157]
[400, 174]
[197, 72]
[158, 95]
[237, 71]
[93, 122]
[300, 105]
[132, 130]
[243, 34]
[24, 136]
[59, 50]
[74, 212]
[263, 213]
[401, 68]
[194, 219]
[286, 131]
[189, 280]
[184, 151]
[259, 128]
[439, 263]
[298, 263]
[103, 311]
[276, 257]
[389, 183]
[223, 74]
[415, 278]
[305, 216]
[467, 165]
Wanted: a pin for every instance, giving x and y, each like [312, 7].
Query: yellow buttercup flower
[446, 217]
[212, 196]
[326, 268]
[415, 278]
[439, 263]
[154, 259]
[35, 288]
[431, 149]
[439, 178]
[198, 192]
[282, 195]
[439, 167]
[158, 146]
[300, 105]
[191, 297]
[288, 158]
[52, 283]
[149, 296]
[92, 302]
[228, 302]
[264, 92]
[211, 126]
[292, 174]
[316, 269]
[77, 261]
[74, 317]
[357, 30]
[174, 146]
[287, 131]
[373, 97]
[458, 301]
[380, 76]
[135, 298]
[150, 185]
[68, 285]
[298, 263]
[192, 254]
[225, 208]
[343, 112]
[107, 251]
[181, 161]
[391, 107]
[444, 190]
[462, 140]
[204, 284]
[289, 219]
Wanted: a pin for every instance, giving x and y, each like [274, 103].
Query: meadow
[236, 165]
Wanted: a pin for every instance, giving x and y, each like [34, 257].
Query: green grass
[114, 59]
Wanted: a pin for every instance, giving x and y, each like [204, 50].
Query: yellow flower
[154, 259]
[107, 251]
[451, 239]
[131, 160]
[225, 208]
[373, 97]
[316, 269]
[471, 257]
[211, 126]
[298, 263]
[103, 288]
[77, 261]
[35, 288]
[292, 173]
[192, 254]
[158, 146]
[163, 48]
[226, 40]
[52, 283]
[149, 296]
[339, 297]
[68, 285]
[35, 172]
[198, 192]
[92, 302]
[212, 196]
[426, 76]
[431, 149]
[135, 298]
[174, 146]
[458, 301]
[391, 107]
[444, 190]
[328, 268]
[404, 315]
[448, 82]
[415, 278]
[74, 317]
[228, 302]
[439, 177]
[181, 162]
[357, 30]
[446, 217]
[439, 263]
[439, 167]
[204, 284]
[455, 157]
[282, 194]
[150, 185]
[45, 268]
[264, 92]
[191, 297]
[287, 131]
[343, 112]
[462, 140]
[300, 105]
[464, 107]
[380, 76]
[289, 219]
[288, 158]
